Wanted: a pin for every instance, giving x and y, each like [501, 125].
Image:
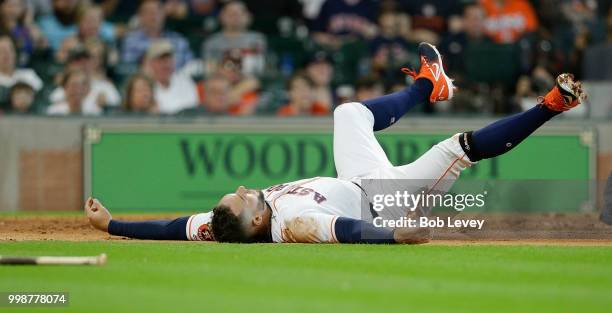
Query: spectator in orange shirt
[214, 97]
[218, 97]
[243, 94]
[301, 100]
[507, 20]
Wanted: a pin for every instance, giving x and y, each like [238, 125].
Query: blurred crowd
[289, 57]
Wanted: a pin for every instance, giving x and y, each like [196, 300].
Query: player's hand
[98, 215]
[412, 235]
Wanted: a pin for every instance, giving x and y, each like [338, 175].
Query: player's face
[244, 201]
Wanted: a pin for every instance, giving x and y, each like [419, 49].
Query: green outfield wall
[168, 169]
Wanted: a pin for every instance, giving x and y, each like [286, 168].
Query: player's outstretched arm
[101, 219]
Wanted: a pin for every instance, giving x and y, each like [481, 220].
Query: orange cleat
[566, 94]
[433, 70]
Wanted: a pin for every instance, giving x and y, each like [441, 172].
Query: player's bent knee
[352, 113]
[347, 109]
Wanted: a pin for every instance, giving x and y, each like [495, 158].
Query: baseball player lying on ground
[324, 209]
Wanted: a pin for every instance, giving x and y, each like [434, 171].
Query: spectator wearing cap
[63, 23]
[9, 73]
[320, 70]
[76, 86]
[174, 90]
[102, 94]
[507, 21]
[139, 96]
[301, 100]
[151, 24]
[340, 21]
[235, 37]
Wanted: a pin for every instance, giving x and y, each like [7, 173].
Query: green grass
[187, 277]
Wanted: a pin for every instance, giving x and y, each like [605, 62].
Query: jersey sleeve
[198, 227]
[310, 228]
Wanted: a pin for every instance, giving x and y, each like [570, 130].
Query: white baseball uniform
[308, 208]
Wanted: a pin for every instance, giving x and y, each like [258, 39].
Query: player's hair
[226, 226]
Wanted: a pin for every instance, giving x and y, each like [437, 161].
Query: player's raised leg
[444, 162]
[505, 134]
[356, 150]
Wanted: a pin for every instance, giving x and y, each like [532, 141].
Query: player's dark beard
[262, 200]
[265, 236]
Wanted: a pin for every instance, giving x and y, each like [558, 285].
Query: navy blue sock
[390, 108]
[156, 230]
[348, 230]
[505, 134]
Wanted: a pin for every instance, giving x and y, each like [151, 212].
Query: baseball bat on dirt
[54, 260]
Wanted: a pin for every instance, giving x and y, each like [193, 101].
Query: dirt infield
[573, 229]
[71, 228]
